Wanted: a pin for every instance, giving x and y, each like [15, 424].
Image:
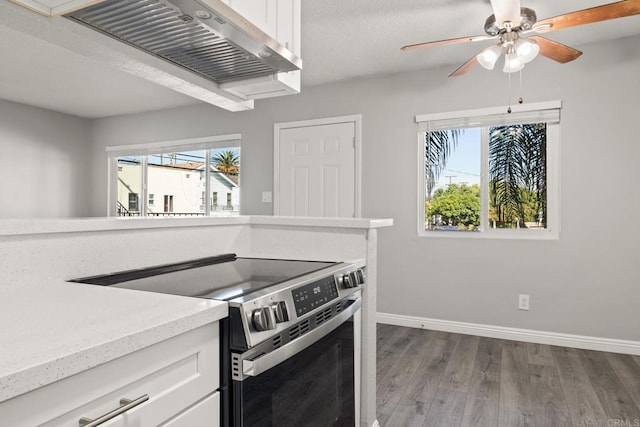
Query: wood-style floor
[430, 378]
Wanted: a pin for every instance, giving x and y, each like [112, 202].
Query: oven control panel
[313, 295]
[268, 314]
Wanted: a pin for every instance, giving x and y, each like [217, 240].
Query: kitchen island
[53, 329]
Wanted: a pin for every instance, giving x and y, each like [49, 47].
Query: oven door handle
[263, 363]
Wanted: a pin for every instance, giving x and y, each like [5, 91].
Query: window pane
[178, 181]
[129, 186]
[452, 180]
[225, 185]
[518, 176]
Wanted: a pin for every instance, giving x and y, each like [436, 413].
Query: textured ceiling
[341, 39]
[347, 39]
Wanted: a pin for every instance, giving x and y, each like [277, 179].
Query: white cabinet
[199, 414]
[261, 13]
[280, 19]
[180, 376]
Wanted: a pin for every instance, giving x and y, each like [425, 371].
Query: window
[168, 203]
[183, 173]
[133, 202]
[490, 173]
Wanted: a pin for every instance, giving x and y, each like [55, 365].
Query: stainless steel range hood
[206, 37]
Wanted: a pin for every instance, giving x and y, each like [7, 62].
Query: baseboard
[527, 335]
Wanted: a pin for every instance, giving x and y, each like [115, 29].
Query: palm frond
[517, 162]
[438, 148]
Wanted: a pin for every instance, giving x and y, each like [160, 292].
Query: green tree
[227, 162]
[458, 205]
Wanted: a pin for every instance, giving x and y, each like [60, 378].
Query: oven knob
[280, 311]
[347, 281]
[263, 319]
[360, 276]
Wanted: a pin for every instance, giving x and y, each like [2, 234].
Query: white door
[316, 168]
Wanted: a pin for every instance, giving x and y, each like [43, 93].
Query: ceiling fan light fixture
[489, 56]
[526, 50]
[512, 63]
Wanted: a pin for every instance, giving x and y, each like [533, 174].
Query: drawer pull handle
[126, 404]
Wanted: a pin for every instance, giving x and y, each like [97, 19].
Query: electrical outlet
[523, 302]
[266, 197]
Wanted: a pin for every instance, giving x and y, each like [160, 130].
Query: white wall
[45, 168]
[585, 283]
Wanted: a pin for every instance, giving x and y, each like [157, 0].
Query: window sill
[494, 235]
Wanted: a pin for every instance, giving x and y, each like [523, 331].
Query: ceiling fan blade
[506, 10]
[589, 16]
[464, 67]
[446, 42]
[556, 51]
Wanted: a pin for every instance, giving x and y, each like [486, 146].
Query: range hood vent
[206, 37]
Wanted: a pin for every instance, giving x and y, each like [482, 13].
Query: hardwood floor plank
[393, 386]
[420, 392]
[549, 402]
[407, 413]
[447, 409]
[540, 354]
[392, 344]
[584, 406]
[384, 333]
[483, 402]
[516, 407]
[628, 373]
[425, 384]
[457, 375]
[611, 392]
[397, 344]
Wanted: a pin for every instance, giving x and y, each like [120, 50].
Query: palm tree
[227, 162]
[517, 170]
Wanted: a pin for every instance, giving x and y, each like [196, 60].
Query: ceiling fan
[515, 27]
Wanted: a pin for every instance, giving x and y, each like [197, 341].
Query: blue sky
[464, 164]
[196, 156]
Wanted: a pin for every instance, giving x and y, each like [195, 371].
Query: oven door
[311, 381]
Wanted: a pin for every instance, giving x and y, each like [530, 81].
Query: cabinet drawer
[204, 413]
[175, 374]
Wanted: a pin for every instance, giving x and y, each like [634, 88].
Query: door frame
[356, 119]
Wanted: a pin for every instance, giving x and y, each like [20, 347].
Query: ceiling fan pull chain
[509, 93]
[520, 100]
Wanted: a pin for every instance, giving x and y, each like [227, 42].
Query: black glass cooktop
[222, 277]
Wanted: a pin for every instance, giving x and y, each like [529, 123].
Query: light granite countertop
[49, 331]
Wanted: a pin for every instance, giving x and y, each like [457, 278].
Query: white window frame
[152, 148]
[552, 231]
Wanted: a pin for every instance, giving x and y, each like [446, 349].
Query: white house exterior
[176, 190]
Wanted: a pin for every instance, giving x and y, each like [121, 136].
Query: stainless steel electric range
[290, 345]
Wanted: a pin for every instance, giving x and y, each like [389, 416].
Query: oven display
[313, 295]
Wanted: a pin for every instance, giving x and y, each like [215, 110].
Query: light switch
[266, 197]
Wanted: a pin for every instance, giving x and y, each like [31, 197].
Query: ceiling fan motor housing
[527, 19]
